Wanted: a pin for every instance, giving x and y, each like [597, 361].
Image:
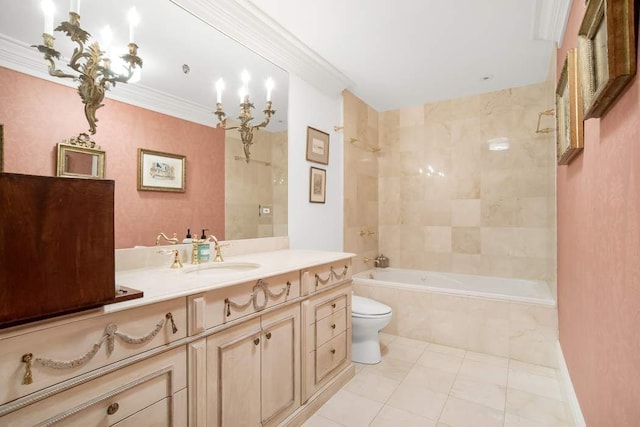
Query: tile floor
[423, 384]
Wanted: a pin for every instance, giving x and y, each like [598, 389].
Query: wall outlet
[265, 210]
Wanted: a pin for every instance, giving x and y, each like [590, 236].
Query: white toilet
[368, 317]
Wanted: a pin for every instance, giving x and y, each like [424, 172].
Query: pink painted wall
[38, 114]
[599, 258]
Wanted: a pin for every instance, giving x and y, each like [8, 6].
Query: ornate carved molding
[246, 23]
[260, 288]
[110, 333]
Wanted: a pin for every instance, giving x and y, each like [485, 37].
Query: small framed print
[607, 53]
[570, 126]
[317, 146]
[317, 185]
[159, 171]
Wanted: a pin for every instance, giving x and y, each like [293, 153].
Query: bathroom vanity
[261, 339]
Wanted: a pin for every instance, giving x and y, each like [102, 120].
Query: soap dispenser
[204, 249]
[188, 238]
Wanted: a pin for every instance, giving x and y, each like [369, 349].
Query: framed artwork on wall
[570, 125]
[317, 146]
[607, 53]
[159, 171]
[317, 185]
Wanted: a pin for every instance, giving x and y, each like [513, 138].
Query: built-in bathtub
[501, 316]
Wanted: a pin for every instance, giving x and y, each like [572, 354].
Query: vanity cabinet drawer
[326, 337]
[331, 307]
[330, 355]
[217, 307]
[331, 326]
[326, 275]
[154, 389]
[50, 353]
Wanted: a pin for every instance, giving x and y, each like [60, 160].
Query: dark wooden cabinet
[56, 246]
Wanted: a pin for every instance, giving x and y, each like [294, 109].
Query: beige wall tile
[438, 239]
[411, 116]
[509, 194]
[465, 240]
[466, 264]
[465, 212]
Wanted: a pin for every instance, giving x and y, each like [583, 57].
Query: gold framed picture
[317, 185]
[570, 126]
[159, 171]
[317, 146]
[607, 53]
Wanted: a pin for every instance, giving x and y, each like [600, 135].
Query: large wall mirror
[183, 58]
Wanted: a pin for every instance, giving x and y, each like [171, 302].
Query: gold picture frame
[569, 108]
[317, 185]
[158, 171]
[76, 161]
[607, 52]
[317, 146]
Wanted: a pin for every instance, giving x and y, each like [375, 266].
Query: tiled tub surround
[525, 331]
[248, 185]
[448, 203]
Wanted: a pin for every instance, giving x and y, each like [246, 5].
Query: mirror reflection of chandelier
[94, 67]
[245, 128]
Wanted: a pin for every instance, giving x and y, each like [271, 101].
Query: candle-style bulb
[134, 20]
[245, 77]
[243, 94]
[49, 9]
[75, 6]
[269, 85]
[219, 88]
[107, 37]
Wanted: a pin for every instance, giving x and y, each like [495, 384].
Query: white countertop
[164, 283]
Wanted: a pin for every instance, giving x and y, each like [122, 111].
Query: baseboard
[567, 388]
[320, 398]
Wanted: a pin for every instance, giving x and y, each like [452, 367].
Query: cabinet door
[280, 364]
[233, 376]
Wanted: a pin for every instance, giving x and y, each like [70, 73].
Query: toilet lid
[369, 307]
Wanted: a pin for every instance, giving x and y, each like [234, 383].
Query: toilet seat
[367, 308]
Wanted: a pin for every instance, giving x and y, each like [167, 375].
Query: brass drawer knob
[113, 408]
[268, 335]
[333, 351]
[333, 326]
[333, 305]
[256, 341]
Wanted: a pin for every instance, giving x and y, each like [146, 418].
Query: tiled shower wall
[360, 181]
[439, 199]
[254, 184]
[448, 203]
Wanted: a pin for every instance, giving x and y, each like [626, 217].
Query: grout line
[506, 391]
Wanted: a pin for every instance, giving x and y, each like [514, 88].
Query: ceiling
[390, 54]
[168, 38]
[411, 52]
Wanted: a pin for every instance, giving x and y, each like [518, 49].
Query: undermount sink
[221, 268]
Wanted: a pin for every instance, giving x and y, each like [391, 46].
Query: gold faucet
[218, 247]
[194, 251]
[172, 240]
[176, 257]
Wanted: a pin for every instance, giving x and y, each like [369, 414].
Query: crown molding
[19, 56]
[550, 19]
[247, 24]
